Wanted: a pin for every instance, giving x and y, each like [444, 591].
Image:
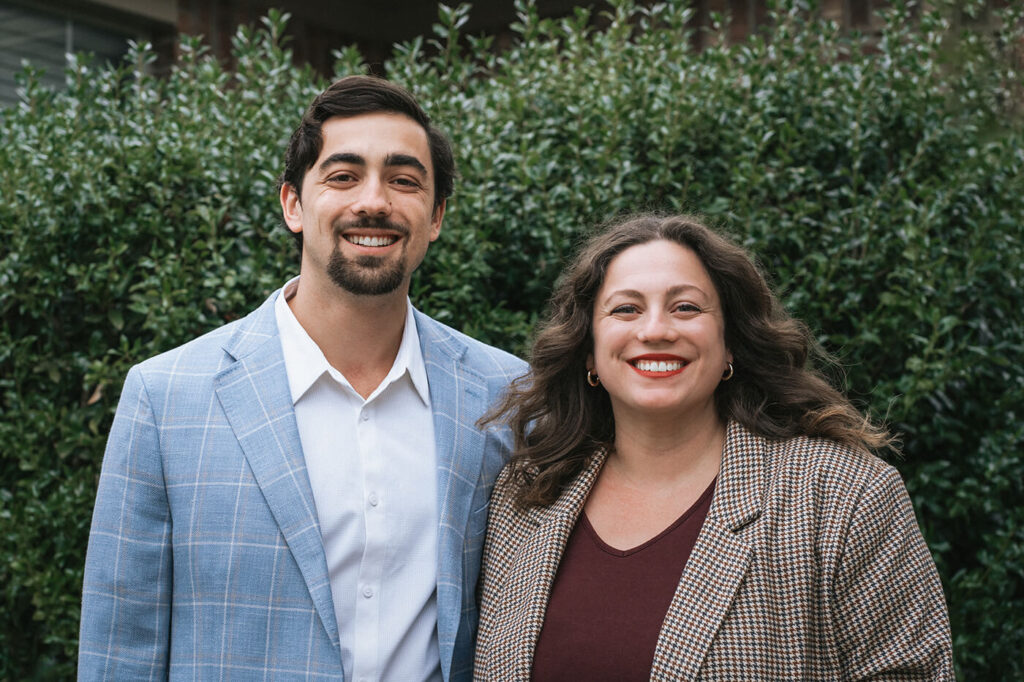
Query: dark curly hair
[559, 421]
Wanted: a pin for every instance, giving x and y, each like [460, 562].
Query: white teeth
[659, 365]
[363, 240]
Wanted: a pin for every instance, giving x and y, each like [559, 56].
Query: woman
[687, 500]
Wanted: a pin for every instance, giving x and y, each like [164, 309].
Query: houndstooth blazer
[809, 566]
[205, 559]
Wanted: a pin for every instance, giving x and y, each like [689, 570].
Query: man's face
[367, 207]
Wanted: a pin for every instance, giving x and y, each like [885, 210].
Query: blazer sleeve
[126, 594]
[889, 612]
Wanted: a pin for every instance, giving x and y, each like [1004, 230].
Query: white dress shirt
[373, 468]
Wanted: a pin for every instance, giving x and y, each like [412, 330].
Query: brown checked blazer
[809, 566]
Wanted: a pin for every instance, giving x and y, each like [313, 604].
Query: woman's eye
[687, 308]
[625, 309]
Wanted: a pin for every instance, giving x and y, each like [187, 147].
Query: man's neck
[358, 335]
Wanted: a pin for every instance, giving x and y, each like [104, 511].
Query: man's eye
[406, 182]
[341, 177]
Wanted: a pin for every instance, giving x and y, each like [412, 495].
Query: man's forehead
[375, 129]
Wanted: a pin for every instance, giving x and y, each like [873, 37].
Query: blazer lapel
[254, 394]
[528, 582]
[718, 562]
[458, 399]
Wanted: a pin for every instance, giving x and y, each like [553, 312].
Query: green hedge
[880, 178]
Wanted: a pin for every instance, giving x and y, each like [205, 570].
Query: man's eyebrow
[405, 160]
[342, 157]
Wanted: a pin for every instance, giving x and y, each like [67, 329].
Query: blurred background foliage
[880, 179]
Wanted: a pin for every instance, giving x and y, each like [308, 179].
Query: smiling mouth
[659, 365]
[370, 240]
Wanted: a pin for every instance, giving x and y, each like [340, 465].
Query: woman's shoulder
[841, 478]
[514, 479]
[508, 522]
[804, 472]
[506, 485]
[827, 457]
[505, 511]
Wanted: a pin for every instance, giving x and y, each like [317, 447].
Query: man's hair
[355, 96]
[558, 420]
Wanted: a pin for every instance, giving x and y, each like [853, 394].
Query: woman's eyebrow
[672, 291]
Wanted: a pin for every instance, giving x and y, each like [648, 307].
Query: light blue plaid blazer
[205, 559]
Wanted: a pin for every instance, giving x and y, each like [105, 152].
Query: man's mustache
[374, 223]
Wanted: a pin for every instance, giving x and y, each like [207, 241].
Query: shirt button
[368, 592]
[373, 499]
[365, 416]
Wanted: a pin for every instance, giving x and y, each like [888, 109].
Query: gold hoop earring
[593, 379]
[726, 375]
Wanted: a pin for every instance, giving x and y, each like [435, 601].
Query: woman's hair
[558, 420]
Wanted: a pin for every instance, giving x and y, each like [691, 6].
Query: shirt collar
[410, 357]
[305, 362]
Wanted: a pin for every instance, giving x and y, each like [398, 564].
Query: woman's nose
[657, 326]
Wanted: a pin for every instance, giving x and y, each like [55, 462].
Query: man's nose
[373, 199]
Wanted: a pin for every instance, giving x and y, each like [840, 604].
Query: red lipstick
[658, 365]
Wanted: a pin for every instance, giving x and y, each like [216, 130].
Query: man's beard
[367, 275]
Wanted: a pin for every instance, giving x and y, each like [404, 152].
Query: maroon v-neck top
[607, 605]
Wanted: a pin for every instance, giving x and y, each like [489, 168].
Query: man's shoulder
[208, 354]
[202, 355]
[490, 361]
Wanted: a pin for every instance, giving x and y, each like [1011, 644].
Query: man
[303, 493]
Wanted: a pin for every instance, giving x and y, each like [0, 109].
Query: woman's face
[659, 334]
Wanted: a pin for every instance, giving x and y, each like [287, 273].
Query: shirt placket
[372, 565]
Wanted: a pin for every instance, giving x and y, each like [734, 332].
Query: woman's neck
[655, 473]
[664, 450]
